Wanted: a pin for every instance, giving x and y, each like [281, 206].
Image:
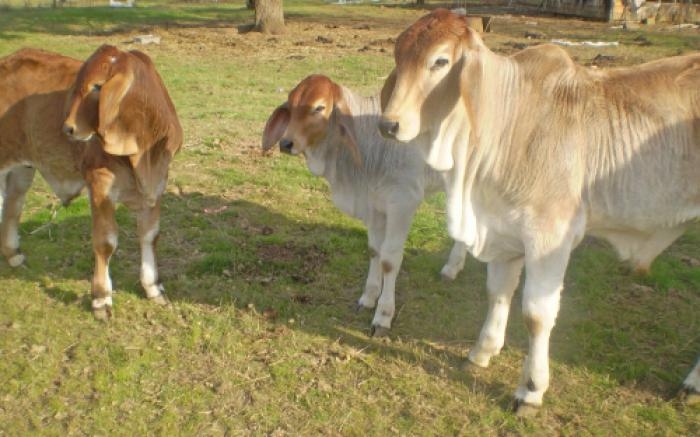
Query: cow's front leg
[455, 262]
[148, 228]
[104, 243]
[375, 238]
[16, 183]
[502, 279]
[544, 279]
[391, 256]
[691, 386]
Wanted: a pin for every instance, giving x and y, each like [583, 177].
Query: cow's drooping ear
[387, 89]
[346, 128]
[275, 126]
[118, 138]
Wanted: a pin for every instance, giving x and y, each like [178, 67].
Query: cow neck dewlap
[469, 142]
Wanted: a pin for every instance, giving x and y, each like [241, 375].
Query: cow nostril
[389, 128]
[68, 129]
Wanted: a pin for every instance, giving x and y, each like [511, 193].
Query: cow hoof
[689, 395]
[159, 300]
[479, 360]
[447, 275]
[359, 307]
[102, 314]
[523, 409]
[16, 260]
[379, 331]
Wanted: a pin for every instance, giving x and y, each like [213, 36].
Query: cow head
[114, 97]
[313, 110]
[434, 57]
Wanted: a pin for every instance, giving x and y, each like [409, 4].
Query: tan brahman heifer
[537, 151]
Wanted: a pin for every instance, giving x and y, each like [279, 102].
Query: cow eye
[319, 109]
[97, 87]
[439, 63]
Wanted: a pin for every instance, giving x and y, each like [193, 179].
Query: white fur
[384, 192]
[149, 272]
[537, 152]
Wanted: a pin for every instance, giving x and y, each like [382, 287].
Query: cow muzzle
[71, 132]
[388, 128]
[68, 129]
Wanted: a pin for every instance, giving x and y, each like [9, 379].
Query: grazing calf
[119, 98]
[376, 180]
[537, 151]
[33, 89]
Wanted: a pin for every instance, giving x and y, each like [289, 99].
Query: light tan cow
[371, 178]
[537, 151]
[119, 98]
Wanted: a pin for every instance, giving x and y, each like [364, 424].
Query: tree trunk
[269, 17]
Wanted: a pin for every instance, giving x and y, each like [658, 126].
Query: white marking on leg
[541, 297]
[149, 270]
[374, 282]
[376, 224]
[101, 302]
[693, 378]
[391, 255]
[501, 281]
[112, 240]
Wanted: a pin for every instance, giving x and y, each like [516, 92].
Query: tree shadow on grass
[219, 253]
[96, 21]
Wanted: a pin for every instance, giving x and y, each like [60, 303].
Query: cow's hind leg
[455, 262]
[16, 183]
[148, 229]
[373, 285]
[391, 256]
[501, 280]
[691, 386]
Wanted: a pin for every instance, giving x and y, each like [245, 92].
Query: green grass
[263, 272]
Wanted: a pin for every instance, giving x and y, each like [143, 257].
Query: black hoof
[379, 331]
[523, 409]
[688, 395]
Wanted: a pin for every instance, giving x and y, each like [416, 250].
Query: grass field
[263, 272]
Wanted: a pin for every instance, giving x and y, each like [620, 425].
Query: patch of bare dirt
[304, 262]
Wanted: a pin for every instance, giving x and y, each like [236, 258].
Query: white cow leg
[391, 257]
[541, 296]
[15, 184]
[373, 285]
[691, 386]
[455, 262]
[148, 228]
[502, 280]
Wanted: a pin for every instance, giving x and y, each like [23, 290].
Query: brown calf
[33, 86]
[119, 98]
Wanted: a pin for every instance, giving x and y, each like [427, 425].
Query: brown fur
[119, 97]
[37, 88]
